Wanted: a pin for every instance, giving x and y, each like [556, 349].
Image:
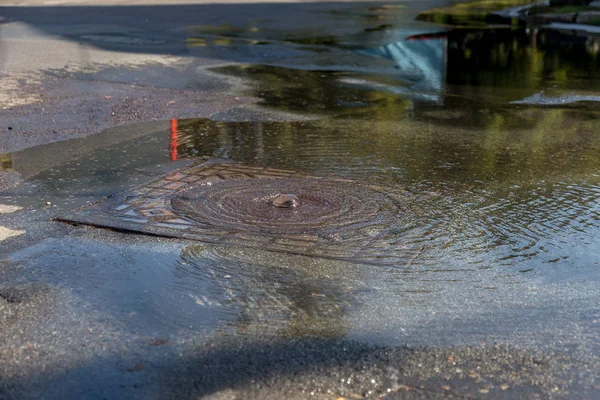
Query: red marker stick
[173, 144]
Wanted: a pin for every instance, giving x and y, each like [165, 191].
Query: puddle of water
[271, 292]
[446, 114]
[398, 62]
[514, 196]
[471, 13]
[511, 192]
[514, 190]
[121, 39]
[497, 148]
[132, 282]
[435, 111]
[326, 207]
[453, 70]
[296, 296]
[542, 99]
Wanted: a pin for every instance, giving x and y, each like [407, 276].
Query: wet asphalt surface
[88, 313]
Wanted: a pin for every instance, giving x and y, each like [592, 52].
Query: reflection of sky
[421, 62]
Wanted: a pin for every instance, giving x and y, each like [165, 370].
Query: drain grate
[233, 204]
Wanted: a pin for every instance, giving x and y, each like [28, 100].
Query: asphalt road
[87, 313]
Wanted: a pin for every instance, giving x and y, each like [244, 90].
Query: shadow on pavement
[306, 368]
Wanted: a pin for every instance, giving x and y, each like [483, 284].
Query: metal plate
[229, 204]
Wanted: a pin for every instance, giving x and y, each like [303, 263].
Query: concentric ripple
[336, 209]
[276, 293]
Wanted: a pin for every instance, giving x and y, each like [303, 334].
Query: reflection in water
[6, 162]
[471, 13]
[511, 191]
[495, 148]
[259, 292]
[271, 292]
[503, 191]
[420, 60]
[263, 293]
[525, 60]
[173, 141]
[476, 68]
[512, 199]
[542, 99]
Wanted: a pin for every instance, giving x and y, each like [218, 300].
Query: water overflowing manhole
[285, 201]
[276, 210]
[322, 207]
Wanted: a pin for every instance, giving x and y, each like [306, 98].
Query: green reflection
[472, 13]
[510, 189]
[484, 69]
[6, 162]
[321, 92]
[227, 34]
[516, 177]
[501, 59]
[368, 19]
[520, 145]
[476, 67]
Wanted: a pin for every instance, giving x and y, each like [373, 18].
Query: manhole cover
[276, 210]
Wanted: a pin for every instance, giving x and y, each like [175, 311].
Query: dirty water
[458, 119]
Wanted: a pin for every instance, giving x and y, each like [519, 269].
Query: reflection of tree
[291, 295]
[469, 13]
[527, 171]
[500, 145]
[505, 58]
[323, 92]
[5, 162]
[499, 64]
